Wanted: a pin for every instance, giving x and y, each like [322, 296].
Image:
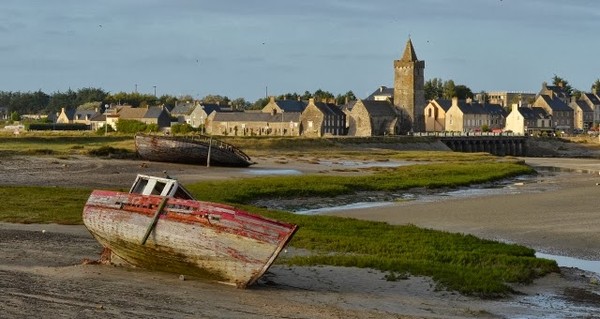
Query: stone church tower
[409, 95]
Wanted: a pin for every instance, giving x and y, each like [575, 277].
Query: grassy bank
[458, 262]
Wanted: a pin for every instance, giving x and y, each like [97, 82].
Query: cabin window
[158, 188]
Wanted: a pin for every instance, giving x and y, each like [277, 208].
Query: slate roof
[183, 109]
[292, 105]
[592, 98]
[556, 104]
[329, 109]
[474, 107]
[379, 108]
[132, 112]
[583, 106]
[533, 113]
[382, 91]
[80, 115]
[70, 113]
[209, 108]
[154, 112]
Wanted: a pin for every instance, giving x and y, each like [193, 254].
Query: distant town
[410, 106]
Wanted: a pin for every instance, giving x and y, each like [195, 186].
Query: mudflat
[45, 270]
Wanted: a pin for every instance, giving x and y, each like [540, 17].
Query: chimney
[469, 100]
[311, 101]
[271, 99]
[455, 101]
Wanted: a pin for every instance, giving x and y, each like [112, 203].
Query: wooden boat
[191, 150]
[158, 225]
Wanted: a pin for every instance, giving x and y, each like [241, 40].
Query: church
[407, 95]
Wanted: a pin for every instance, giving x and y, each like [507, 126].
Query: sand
[43, 274]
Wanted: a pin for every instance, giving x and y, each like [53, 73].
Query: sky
[252, 48]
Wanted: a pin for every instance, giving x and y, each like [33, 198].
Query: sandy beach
[43, 272]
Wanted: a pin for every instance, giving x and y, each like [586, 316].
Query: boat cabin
[161, 186]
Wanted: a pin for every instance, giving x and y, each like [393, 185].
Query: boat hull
[190, 150]
[190, 237]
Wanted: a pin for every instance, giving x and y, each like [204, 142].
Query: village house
[148, 115]
[194, 113]
[372, 118]
[528, 120]
[583, 115]
[593, 102]
[435, 115]
[322, 119]
[254, 123]
[65, 116]
[562, 114]
[469, 116]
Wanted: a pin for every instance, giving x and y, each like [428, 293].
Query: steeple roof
[409, 52]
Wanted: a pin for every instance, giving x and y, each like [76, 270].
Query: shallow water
[563, 261]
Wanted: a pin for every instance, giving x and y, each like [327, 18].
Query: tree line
[42, 103]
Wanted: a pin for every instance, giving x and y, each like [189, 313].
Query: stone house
[528, 120]
[555, 91]
[320, 119]
[254, 124]
[583, 115]
[469, 116]
[593, 101]
[275, 107]
[149, 115]
[193, 113]
[65, 116]
[562, 114]
[372, 118]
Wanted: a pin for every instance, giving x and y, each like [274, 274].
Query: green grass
[434, 175]
[63, 145]
[26, 205]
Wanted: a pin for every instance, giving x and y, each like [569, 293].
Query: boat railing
[221, 145]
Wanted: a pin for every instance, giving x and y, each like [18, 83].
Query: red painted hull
[190, 237]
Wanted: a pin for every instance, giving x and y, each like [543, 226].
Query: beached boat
[190, 149]
[158, 225]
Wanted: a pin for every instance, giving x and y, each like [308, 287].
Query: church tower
[409, 95]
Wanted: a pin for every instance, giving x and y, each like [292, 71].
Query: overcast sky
[246, 48]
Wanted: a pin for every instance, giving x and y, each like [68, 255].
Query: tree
[343, 99]
[596, 87]
[216, 99]
[86, 95]
[58, 100]
[558, 81]
[240, 104]
[434, 89]
[449, 90]
[462, 92]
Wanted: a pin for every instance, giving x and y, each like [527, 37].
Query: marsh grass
[434, 175]
[26, 205]
[63, 144]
